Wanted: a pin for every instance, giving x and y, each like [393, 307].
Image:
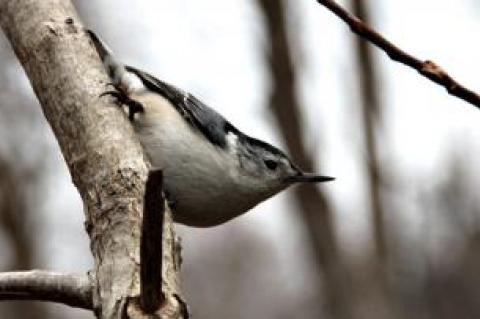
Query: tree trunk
[105, 160]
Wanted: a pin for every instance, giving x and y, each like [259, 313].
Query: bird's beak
[309, 178]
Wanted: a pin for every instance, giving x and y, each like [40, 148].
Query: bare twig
[69, 289]
[151, 252]
[427, 68]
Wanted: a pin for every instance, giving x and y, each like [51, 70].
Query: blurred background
[397, 235]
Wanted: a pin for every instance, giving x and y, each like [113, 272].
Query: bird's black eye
[272, 165]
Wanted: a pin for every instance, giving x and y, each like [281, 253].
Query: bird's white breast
[201, 178]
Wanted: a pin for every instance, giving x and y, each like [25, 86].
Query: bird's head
[269, 170]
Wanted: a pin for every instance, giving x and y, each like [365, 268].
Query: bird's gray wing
[210, 123]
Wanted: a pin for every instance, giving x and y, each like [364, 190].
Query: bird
[212, 171]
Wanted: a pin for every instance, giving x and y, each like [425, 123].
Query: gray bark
[104, 158]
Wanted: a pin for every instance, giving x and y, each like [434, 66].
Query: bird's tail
[115, 68]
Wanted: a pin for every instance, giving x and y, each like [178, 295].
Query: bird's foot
[122, 99]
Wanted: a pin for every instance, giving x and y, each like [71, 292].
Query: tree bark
[105, 160]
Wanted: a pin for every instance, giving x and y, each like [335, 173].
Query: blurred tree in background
[239, 270]
[21, 173]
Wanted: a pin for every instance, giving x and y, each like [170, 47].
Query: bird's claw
[123, 99]
[115, 94]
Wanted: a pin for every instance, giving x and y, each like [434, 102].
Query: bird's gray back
[209, 122]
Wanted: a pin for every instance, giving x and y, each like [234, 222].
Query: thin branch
[427, 68]
[69, 289]
[151, 250]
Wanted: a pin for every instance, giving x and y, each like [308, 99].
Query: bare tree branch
[151, 295]
[99, 146]
[69, 289]
[427, 68]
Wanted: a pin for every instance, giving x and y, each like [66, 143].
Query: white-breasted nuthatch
[212, 171]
